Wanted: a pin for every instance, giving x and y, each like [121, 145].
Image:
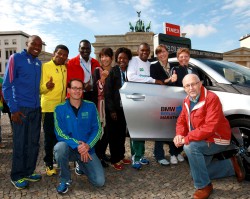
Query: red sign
[172, 29]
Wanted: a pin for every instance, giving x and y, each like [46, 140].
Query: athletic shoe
[126, 161]
[62, 188]
[50, 171]
[20, 184]
[180, 158]
[144, 161]
[118, 166]
[136, 165]
[173, 160]
[78, 171]
[163, 162]
[69, 182]
[33, 178]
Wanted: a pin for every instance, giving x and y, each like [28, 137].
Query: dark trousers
[159, 150]
[26, 143]
[88, 96]
[102, 144]
[117, 135]
[49, 138]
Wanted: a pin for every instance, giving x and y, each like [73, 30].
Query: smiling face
[34, 45]
[106, 61]
[122, 61]
[192, 85]
[143, 52]
[75, 90]
[183, 59]
[163, 56]
[85, 50]
[60, 56]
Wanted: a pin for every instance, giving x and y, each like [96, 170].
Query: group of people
[82, 113]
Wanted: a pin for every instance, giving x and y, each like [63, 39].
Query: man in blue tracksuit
[21, 92]
[77, 129]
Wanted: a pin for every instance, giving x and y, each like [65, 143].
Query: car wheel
[241, 139]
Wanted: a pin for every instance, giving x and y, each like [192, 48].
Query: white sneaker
[173, 160]
[180, 158]
[163, 162]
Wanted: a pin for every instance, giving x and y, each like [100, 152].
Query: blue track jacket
[21, 85]
[71, 129]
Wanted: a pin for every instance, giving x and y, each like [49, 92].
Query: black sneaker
[78, 171]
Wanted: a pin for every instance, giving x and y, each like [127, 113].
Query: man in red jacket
[204, 131]
[82, 67]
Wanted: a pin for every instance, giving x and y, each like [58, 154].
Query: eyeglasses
[77, 89]
[187, 86]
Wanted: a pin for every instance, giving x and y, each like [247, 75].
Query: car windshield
[234, 73]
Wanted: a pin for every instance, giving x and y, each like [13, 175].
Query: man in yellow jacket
[53, 91]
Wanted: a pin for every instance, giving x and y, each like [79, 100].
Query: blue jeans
[92, 169]
[203, 166]
[26, 143]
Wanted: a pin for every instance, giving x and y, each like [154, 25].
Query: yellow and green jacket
[51, 98]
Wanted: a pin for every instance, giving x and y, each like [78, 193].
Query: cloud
[236, 6]
[138, 5]
[198, 30]
[38, 16]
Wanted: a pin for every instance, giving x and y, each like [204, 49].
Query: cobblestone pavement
[153, 181]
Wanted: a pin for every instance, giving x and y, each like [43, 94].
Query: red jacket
[74, 69]
[207, 119]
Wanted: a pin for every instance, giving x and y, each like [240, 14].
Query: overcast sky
[212, 25]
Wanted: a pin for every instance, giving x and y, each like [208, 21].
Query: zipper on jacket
[62, 84]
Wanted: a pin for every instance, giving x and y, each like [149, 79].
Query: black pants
[49, 138]
[102, 144]
[117, 135]
[88, 96]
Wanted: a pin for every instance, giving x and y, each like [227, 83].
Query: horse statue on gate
[148, 27]
[131, 27]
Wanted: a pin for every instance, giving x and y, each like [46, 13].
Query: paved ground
[153, 181]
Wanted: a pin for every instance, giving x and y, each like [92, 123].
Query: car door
[151, 110]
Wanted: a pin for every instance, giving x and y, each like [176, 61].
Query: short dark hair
[123, 50]
[85, 41]
[106, 51]
[74, 79]
[144, 44]
[61, 46]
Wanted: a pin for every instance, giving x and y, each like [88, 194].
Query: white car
[151, 110]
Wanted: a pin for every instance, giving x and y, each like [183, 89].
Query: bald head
[192, 85]
[190, 76]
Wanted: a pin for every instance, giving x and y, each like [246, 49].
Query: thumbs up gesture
[50, 85]
[174, 77]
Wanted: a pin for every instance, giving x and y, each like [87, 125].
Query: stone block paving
[153, 181]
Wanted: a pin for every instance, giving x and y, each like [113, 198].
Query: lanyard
[123, 75]
[84, 66]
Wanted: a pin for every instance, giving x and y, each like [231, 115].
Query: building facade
[240, 55]
[15, 41]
